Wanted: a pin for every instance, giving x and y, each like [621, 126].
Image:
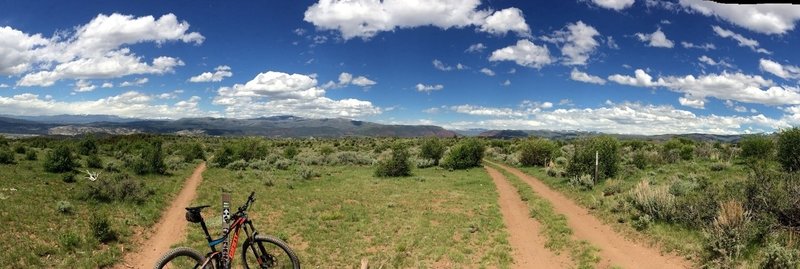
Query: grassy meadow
[404, 203]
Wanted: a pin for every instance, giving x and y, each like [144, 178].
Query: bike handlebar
[250, 200]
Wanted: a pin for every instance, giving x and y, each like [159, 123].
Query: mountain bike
[260, 251]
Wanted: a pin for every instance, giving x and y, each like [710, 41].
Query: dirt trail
[615, 250]
[528, 244]
[169, 230]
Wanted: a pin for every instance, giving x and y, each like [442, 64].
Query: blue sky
[619, 66]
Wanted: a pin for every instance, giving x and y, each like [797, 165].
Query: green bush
[30, 155]
[290, 151]
[64, 207]
[583, 159]
[151, 160]
[349, 158]
[60, 160]
[789, 149]
[87, 146]
[326, 150]
[194, 151]
[639, 160]
[283, 164]
[759, 147]
[6, 155]
[425, 163]
[537, 152]
[466, 154]
[432, 149]
[396, 165]
[94, 161]
[642, 222]
[223, 157]
[775, 193]
[69, 240]
[101, 228]
[716, 167]
[20, 149]
[676, 149]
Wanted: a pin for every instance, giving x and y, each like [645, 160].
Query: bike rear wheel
[264, 252]
[182, 257]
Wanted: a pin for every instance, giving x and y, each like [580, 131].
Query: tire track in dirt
[615, 250]
[169, 230]
[524, 231]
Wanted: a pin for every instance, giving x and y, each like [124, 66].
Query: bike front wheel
[263, 252]
[182, 257]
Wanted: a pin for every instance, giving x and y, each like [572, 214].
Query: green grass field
[434, 219]
[38, 235]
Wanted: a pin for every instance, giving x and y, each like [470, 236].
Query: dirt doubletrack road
[615, 250]
[525, 237]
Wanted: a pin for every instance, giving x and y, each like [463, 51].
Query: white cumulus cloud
[584, 77]
[761, 18]
[220, 73]
[777, 69]
[524, 53]
[743, 41]
[656, 39]
[366, 18]
[429, 88]
[614, 4]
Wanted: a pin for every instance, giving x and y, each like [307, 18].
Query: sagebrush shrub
[425, 163]
[789, 149]
[238, 165]
[283, 164]
[64, 207]
[584, 182]
[728, 234]
[349, 158]
[775, 193]
[655, 201]
[466, 154]
[101, 228]
[223, 156]
[780, 257]
[193, 151]
[537, 152]
[306, 173]
[117, 188]
[396, 165]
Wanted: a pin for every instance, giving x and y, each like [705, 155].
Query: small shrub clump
[728, 235]
[94, 161]
[583, 160]
[238, 165]
[30, 155]
[789, 149]
[60, 160]
[466, 154]
[6, 155]
[64, 207]
[119, 187]
[757, 147]
[396, 165]
[101, 228]
[432, 149]
[584, 182]
[537, 152]
[654, 201]
[780, 257]
[306, 173]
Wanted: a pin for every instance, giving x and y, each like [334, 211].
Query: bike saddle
[193, 213]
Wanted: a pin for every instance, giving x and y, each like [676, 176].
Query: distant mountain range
[278, 126]
[281, 126]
